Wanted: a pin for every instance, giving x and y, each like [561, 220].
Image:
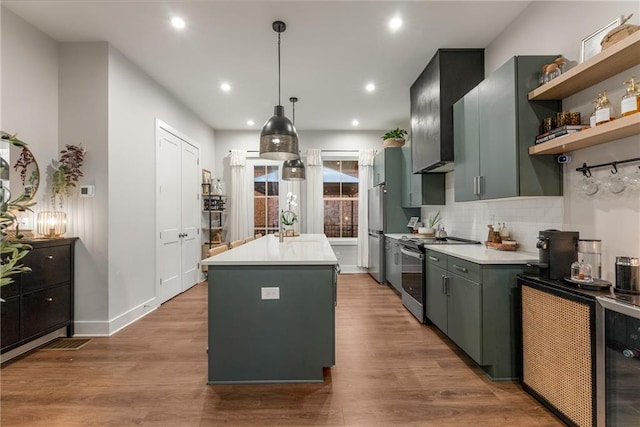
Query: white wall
[558, 28]
[29, 103]
[135, 101]
[83, 120]
[89, 93]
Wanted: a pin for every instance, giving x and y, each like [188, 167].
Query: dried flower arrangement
[67, 173]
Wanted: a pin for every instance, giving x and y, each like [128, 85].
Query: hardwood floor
[389, 371]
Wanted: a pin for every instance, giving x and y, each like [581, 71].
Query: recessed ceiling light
[395, 23]
[355, 122]
[178, 22]
[226, 87]
[251, 122]
[370, 87]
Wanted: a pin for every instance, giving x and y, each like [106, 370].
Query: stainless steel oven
[414, 270]
[412, 278]
[618, 360]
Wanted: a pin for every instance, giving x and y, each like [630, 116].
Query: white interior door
[190, 214]
[178, 251]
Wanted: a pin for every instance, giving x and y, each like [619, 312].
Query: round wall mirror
[20, 171]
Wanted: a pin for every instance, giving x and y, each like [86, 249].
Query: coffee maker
[557, 250]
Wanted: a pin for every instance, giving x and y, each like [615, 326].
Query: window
[340, 191]
[265, 199]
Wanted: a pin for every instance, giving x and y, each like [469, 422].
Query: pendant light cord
[279, 103]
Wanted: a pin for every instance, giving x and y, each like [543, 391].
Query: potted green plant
[432, 222]
[12, 250]
[394, 138]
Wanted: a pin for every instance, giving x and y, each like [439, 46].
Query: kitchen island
[272, 311]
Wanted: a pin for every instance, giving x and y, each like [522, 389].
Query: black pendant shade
[293, 170]
[279, 139]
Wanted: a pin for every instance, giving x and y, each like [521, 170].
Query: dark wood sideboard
[41, 301]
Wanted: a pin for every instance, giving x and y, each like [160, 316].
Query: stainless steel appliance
[557, 250]
[627, 275]
[618, 360]
[414, 270]
[376, 233]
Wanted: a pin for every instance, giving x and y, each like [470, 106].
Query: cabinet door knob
[49, 257]
[48, 299]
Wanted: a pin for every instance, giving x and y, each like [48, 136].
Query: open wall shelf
[614, 60]
[611, 131]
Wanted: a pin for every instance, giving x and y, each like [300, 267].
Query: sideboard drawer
[49, 266]
[46, 309]
[10, 321]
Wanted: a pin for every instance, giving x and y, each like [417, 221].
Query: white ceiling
[330, 50]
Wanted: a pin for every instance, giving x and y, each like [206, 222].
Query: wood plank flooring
[390, 371]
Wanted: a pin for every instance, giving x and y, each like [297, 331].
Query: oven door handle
[412, 254]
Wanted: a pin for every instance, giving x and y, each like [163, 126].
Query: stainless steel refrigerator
[376, 233]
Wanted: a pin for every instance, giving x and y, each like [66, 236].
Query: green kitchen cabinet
[393, 272]
[388, 170]
[379, 165]
[435, 296]
[464, 324]
[476, 306]
[420, 189]
[494, 126]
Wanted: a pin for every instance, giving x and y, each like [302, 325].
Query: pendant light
[293, 170]
[279, 139]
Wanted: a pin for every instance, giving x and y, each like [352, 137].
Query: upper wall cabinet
[494, 125]
[449, 75]
[420, 188]
[616, 59]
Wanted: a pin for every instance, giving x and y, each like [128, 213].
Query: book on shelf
[561, 131]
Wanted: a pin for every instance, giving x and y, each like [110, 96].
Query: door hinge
[198, 230]
[161, 235]
[160, 281]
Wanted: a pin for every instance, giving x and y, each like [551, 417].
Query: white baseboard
[93, 328]
[351, 269]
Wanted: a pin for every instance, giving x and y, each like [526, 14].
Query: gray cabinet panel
[497, 119]
[289, 339]
[467, 146]
[412, 183]
[477, 308]
[396, 217]
[500, 133]
[464, 317]
[436, 299]
[379, 168]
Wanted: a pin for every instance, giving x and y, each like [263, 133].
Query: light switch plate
[270, 293]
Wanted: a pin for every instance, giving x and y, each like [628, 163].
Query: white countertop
[476, 253]
[479, 254]
[306, 249]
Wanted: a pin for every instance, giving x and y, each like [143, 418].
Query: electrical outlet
[270, 293]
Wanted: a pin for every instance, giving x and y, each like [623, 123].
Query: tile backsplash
[524, 216]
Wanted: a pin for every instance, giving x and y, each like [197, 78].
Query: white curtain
[314, 217]
[365, 182]
[240, 198]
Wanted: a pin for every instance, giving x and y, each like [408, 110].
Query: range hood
[450, 74]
